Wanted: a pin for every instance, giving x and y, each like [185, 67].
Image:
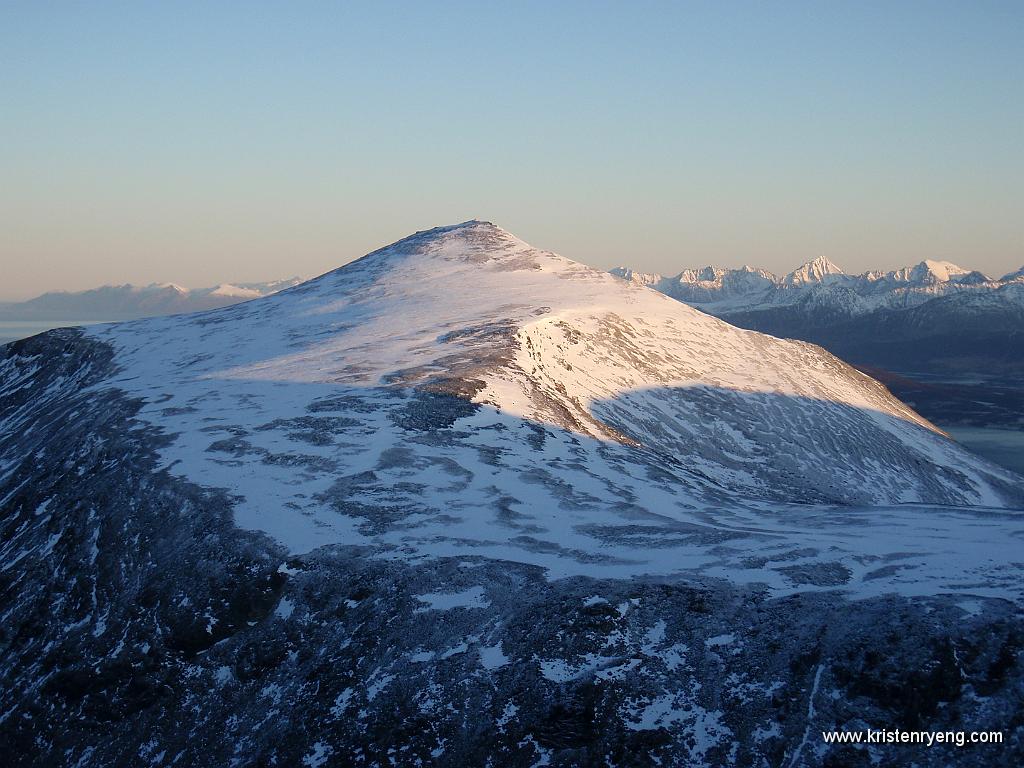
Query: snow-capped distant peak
[170, 286]
[817, 270]
[929, 271]
[640, 278]
[1013, 276]
[708, 274]
[227, 289]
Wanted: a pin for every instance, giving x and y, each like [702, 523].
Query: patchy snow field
[460, 392]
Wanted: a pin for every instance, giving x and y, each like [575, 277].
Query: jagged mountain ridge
[819, 282]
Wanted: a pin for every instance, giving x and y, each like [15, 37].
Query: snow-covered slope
[572, 397]
[466, 502]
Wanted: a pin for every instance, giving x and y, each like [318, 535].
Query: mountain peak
[174, 287]
[816, 270]
[426, 255]
[472, 235]
[1012, 276]
[932, 271]
[466, 230]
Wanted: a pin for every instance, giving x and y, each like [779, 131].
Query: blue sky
[201, 142]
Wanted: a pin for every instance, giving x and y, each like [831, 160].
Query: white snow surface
[445, 601]
[618, 432]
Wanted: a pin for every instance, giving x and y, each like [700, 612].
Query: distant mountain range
[935, 317]
[123, 302]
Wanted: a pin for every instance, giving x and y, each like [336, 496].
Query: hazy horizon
[200, 144]
[636, 266]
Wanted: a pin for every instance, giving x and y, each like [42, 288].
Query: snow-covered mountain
[123, 302]
[466, 502]
[1013, 277]
[560, 345]
[819, 271]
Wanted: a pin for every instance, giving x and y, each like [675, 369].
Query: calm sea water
[12, 330]
[1002, 446]
[982, 412]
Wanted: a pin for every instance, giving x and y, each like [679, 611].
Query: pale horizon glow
[201, 143]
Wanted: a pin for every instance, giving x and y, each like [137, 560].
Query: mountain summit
[465, 475]
[929, 271]
[818, 270]
[472, 312]
[503, 336]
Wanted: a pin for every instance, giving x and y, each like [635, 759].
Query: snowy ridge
[461, 391]
[608, 528]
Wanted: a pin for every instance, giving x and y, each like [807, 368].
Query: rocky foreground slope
[464, 502]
